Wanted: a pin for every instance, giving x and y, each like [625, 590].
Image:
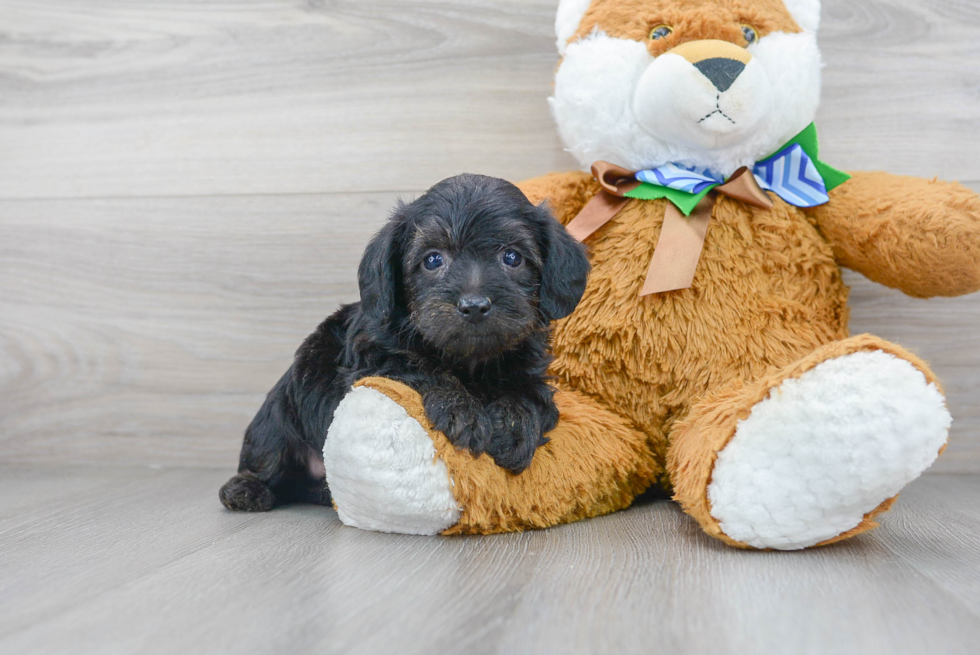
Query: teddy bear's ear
[569, 15]
[806, 13]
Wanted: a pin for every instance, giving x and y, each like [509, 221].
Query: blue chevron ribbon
[681, 178]
[792, 176]
[794, 173]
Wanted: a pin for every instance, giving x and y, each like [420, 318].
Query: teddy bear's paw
[382, 469]
[825, 449]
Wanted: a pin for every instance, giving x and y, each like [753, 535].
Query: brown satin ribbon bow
[678, 250]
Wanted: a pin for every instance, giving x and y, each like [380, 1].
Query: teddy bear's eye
[750, 33]
[659, 32]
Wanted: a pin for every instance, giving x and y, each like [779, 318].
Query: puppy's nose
[721, 71]
[473, 308]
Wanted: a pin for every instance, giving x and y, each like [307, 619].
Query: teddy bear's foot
[810, 454]
[388, 470]
[382, 468]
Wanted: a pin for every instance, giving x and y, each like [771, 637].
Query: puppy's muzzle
[474, 308]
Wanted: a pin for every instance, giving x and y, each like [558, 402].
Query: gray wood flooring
[136, 560]
[185, 190]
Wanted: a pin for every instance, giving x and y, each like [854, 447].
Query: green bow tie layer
[794, 173]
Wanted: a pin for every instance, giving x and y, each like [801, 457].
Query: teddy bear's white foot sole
[382, 469]
[822, 450]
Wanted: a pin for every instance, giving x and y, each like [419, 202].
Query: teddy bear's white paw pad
[382, 469]
[824, 449]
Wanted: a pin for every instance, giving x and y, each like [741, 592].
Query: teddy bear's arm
[919, 236]
[566, 193]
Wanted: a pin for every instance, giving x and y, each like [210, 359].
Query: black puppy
[457, 293]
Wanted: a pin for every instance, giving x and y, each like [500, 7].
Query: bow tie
[794, 173]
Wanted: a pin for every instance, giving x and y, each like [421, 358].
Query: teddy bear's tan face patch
[665, 24]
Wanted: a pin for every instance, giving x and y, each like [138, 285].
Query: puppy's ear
[379, 274]
[565, 271]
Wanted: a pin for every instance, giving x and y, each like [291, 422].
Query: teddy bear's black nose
[722, 71]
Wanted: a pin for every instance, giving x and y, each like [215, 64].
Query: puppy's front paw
[518, 428]
[246, 493]
[460, 417]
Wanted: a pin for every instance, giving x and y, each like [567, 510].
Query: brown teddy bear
[710, 352]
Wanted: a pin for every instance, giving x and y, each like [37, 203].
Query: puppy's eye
[750, 33]
[660, 32]
[512, 258]
[432, 261]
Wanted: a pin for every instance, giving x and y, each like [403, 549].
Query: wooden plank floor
[135, 560]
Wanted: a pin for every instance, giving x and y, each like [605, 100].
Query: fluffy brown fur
[767, 302]
[651, 388]
[767, 292]
[905, 232]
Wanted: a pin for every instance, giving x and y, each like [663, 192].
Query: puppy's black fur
[457, 293]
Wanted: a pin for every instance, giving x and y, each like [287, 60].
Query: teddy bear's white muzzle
[706, 105]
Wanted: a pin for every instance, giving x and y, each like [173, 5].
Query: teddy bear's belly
[767, 291]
